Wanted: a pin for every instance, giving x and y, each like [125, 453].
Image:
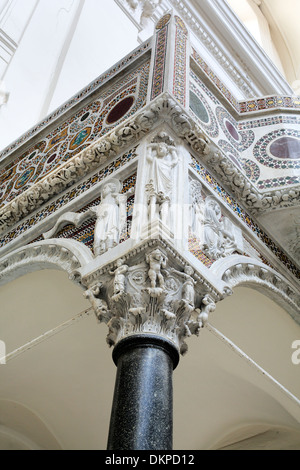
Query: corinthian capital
[150, 291]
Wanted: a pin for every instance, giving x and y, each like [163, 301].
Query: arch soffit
[238, 271]
[65, 255]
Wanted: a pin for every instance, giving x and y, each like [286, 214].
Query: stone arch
[65, 255]
[243, 271]
[261, 435]
[23, 429]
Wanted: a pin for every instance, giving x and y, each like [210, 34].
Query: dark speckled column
[142, 410]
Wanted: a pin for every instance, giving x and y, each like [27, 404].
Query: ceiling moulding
[162, 109]
[232, 46]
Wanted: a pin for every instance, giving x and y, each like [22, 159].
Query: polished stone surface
[142, 411]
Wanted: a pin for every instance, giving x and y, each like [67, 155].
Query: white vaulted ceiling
[282, 17]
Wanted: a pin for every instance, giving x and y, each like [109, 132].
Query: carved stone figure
[208, 305]
[119, 277]
[156, 261]
[133, 3]
[188, 287]
[162, 158]
[110, 217]
[99, 305]
[148, 8]
[158, 204]
[196, 209]
[219, 238]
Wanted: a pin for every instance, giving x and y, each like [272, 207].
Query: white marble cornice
[232, 46]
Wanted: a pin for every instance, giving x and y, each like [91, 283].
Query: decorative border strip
[179, 80]
[160, 60]
[68, 197]
[249, 106]
[278, 182]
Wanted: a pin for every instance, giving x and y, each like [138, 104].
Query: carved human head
[162, 149]
[112, 186]
[188, 270]
[156, 254]
[213, 204]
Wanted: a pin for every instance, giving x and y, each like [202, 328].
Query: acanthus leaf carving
[150, 297]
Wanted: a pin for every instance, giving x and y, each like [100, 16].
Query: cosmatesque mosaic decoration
[179, 85]
[259, 157]
[160, 56]
[75, 134]
[70, 196]
[194, 245]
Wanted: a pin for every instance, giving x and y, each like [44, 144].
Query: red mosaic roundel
[232, 130]
[120, 110]
[286, 147]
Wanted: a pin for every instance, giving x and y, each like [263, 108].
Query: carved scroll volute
[150, 297]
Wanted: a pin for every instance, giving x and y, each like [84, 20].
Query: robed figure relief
[196, 214]
[110, 213]
[162, 159]
[219, 233]
[111, 217]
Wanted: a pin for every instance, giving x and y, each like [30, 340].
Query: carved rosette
[151, 294]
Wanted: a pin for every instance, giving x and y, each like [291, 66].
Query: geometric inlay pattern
[279, 149]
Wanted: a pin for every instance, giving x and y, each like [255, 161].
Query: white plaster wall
[67, 44]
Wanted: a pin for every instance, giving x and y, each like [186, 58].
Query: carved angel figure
[110, 214]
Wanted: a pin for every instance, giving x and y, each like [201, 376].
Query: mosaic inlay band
[260, 104]
[179, 81]
[160, 57]
[75, 134]
[68, 197]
